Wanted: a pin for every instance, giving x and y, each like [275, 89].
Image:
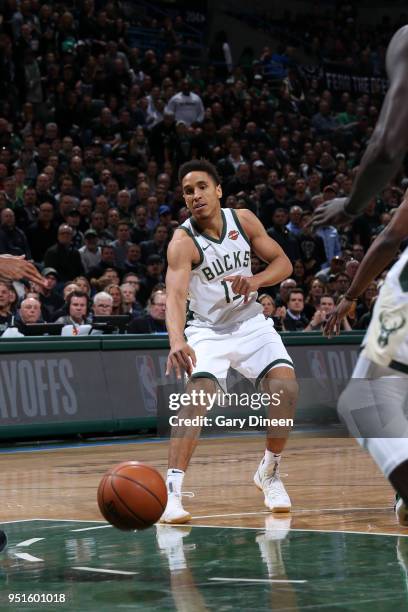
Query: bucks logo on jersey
[230, 261]
[390, 322]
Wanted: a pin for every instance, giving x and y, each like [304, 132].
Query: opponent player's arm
[16, 267]
[389, 142]
[378, 256]
[381, 252]
[279, 266]
[181, 254]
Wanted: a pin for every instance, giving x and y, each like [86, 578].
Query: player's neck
[213, 226]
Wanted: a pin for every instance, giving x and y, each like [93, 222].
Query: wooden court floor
[333, 484]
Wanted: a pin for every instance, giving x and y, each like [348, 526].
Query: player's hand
[243, 285]
[334, 319]
[182, 358]
[331, 213]
[16, 267]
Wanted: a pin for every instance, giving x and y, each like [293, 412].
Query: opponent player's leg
[372, 407]
[281, 386]
[183, 443]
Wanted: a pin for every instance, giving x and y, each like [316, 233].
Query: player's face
[201, 194]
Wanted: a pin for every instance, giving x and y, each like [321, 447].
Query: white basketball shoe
[401, 512]
[267, 479]
[174, 512]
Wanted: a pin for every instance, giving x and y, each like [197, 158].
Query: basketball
[132, 495]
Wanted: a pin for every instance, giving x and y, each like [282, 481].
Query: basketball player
[209, 261]
[14, 268]
[372, 403]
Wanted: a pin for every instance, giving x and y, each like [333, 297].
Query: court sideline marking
[331, 531]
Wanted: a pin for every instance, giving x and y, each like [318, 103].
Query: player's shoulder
[398, 47]
[248, 220]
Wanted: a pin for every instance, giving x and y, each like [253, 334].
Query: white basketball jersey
[212, 301]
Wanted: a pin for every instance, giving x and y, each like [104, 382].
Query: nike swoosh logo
[207, 247]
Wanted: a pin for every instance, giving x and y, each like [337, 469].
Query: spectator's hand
[318, 318]
[243, 285]
[181, 357]
[280, 312]
[16, 267]
[333, 323]
[330, 213]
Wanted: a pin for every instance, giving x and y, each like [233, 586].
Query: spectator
[121, 244]
[116, 294]
[6, 300]
[186, 106]
[77, 305]
[295, 319]
[102, 304]
[29, 313]
[129, 303]
[42, 234]
[63, 257]
[107, 261]
[282, 235]
[90, 253]
[155, 321]
[153, 276]
[326, 307]
[12, 239]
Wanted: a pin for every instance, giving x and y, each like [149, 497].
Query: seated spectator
[42, 234]
[130, 305]
[29, 312]
[326, 307]
[279, 232]
[121, 244]
[312, 302]
[90, 253]
[6, 300]
[295, 319]
[284, 289]
[12, 239]
[102, 304]
[116, 294]
[83, 284]
[50, 300]
[77, 303]
[155, 321]
[107, 261]
[63, 257]
[270, 310]
[186, 106]
[153, 276]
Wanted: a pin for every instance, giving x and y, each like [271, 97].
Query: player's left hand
[243, 285]
[331, 213]
[333, 322]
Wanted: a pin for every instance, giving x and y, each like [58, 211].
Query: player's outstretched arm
[388, 144]
[16, 267]
[180, 257]
[279, 266]
[378, 256]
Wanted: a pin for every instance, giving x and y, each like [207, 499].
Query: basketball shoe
[174, 512]
[267, 479]
[401, 511]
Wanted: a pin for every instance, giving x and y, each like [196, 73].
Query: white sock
[270, 458]
[174, 481]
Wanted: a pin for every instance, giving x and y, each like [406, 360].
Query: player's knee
[285, 388]
[199, 391]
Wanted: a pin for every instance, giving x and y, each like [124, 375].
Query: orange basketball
[132, 495]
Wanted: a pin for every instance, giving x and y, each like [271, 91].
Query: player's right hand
[182, 358]
[16, 267]
[333, 323]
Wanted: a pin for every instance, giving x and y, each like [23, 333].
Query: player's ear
[218, 191]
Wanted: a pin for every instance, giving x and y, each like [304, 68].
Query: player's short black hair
[199, 165]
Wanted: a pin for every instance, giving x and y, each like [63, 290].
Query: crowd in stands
[92, 132]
